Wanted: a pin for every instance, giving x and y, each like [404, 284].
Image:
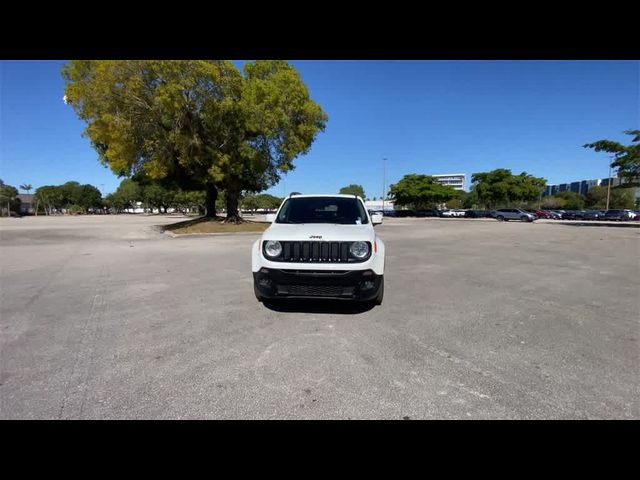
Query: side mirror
[270, 217]
[376, 219]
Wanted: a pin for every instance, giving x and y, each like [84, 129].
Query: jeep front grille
[317, 252]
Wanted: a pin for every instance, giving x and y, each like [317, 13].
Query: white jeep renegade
[320, 246]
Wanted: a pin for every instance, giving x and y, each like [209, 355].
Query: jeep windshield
[334, 210]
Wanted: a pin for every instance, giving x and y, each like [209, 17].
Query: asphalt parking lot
[105, 317]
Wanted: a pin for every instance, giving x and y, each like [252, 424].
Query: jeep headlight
[272, 248]
[359, 249]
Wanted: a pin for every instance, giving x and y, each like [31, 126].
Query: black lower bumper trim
[337, 284]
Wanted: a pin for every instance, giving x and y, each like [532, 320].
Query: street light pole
[609, 185]
[540, 200]
[384, 181]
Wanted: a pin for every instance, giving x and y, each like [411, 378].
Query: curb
[178, 235]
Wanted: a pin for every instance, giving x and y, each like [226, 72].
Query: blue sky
[424, 116]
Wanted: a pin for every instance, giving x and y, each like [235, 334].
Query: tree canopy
[157, 196]
[619, 198]
[57, 197]
[262, 201]
[199, 123]
[8, 198]
[420, 191]
[596, 198]
[128, 193]
[353, 189]
[626, 158]
[132, 194]
[570, 200]
[501, 188]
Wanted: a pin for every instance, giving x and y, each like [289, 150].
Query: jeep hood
[328, 232]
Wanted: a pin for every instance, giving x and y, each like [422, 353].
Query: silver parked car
[619, 214]
[506, 214]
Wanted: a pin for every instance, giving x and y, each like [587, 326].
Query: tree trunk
[210, 201]
[233, 215]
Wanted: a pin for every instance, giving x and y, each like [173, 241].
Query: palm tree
[26, 186]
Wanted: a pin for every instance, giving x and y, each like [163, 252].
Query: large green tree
[420, 192]
[249, 202]
[58, 197]
[570, 200]
[199, 123]
[353, 189]
[626, 158]
[260, 201]
[269, 202]
[470, 199]
[50, 198]
[501, 188]
[86, 196]
[156, 118]
[280, 122]
[128, 194]
[113, 203]
[188, 200]
[619, 198]
[156, 195]
[8, 198]
[90, 197]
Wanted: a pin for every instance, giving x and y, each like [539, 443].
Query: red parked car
[542, 214]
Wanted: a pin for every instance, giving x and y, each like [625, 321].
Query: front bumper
[312, 284]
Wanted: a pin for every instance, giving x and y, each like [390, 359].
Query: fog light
[366, 285]
[264, 282]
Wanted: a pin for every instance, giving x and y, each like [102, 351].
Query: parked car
[573, 215]
[320, 246]
[593, 215]
[543, 214]
[427, 213]
[477, 213]
[551, 214]
[454, 212]
[506, 214]
[405, 213]
[619, 214]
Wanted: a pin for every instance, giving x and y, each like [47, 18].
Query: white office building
[455, 180]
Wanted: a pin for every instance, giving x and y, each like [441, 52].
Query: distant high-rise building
[455, 180]
[583, 186]
[574, 187]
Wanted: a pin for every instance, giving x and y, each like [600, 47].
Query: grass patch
[214, 225]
